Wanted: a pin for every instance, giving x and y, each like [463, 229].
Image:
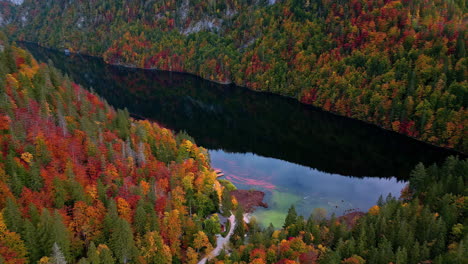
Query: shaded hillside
[398, 64]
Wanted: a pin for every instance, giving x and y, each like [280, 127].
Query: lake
[295, 153]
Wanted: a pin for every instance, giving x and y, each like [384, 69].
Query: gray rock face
[17, 2]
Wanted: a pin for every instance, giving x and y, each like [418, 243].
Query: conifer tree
[121, 241]
[93, 256]
[140, 219]
[291, 217]
[12, 216]
[105, 255]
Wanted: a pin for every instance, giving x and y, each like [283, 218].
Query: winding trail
[221, 242]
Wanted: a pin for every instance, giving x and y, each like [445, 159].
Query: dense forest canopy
[83, 183]
[427, 224]
[80, 181]
[398, 64]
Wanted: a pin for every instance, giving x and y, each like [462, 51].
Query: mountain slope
[80, 181]
[398, 64]
[83, 183]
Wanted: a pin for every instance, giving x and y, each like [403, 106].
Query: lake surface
[296, 153]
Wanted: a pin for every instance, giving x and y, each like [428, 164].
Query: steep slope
[398, 64]
[80, 181]
[83, 183]
[6, 12]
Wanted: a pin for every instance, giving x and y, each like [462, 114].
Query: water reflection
[238, 120]
[286, 183]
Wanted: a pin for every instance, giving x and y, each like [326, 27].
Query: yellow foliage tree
[12, 248]
[374, 210]
[200, 241]
[27, 157]
[192, 256]
[124, 209]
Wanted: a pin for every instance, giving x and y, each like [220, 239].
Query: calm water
[296, 153]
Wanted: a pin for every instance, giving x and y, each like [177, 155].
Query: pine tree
[291, 218]
[380, 202]
[239, 231]
[93, 256]
[61, 235]
[12, 216]
[45, 233]
[121, 241]
[414, 253]
[460, 48]
[140, 219]
[30, 237]
[60, 193]
[418, 176]
[105, 254]
[110, 219]
[401, 256]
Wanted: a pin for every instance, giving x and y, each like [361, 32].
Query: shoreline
[249, 199]
[228, 83]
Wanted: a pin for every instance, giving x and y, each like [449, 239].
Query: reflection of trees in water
[238, 120]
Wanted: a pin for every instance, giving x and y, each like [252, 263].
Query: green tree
[121, 241]
[239, 231]
[93, 256]
[12, 216]
[140, 218]
[291, 217]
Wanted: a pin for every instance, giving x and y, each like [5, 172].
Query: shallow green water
[287, 184]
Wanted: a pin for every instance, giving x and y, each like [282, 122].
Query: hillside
[80, 181]
[398, 64]
[83, 183]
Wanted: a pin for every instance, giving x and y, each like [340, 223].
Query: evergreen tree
[83, 261]
[45, 233]
[140, 219]
[418, 176]
[12, 216]
[93, 256]
[291, 218]
[239, 231]
[61, 235]
[121, 241]
[401, 256]
[31, 240]
[105, 256]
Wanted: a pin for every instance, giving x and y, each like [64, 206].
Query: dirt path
[221, 241]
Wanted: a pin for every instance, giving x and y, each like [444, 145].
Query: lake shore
[249, 199]
[230, 82]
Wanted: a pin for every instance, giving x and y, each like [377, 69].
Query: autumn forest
[398, 64]
[84, 182]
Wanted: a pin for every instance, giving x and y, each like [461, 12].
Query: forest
[427, 224]
[400, 64]
[81, 182]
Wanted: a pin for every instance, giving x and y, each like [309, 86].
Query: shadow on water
[236, 119]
